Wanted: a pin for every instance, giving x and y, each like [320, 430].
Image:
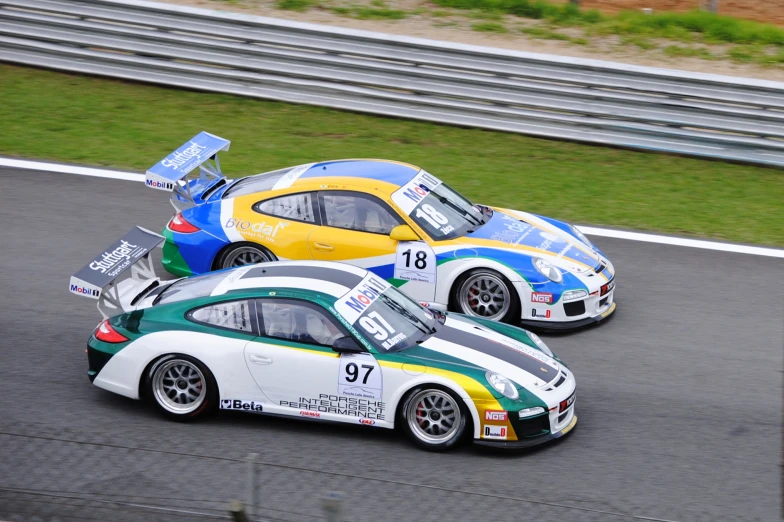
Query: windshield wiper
[466, 214]
[402, 310]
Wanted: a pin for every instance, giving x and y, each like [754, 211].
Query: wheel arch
[452, 275]
[436, 381]
[159, 358]
[225, 248]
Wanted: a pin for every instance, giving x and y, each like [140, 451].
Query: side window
[297, 321]
[356, 211]
[232, 315]
[294, 207]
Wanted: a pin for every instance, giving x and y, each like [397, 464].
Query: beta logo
[542, 297]
[495, 415]
[306, 413]
[84, 291]
[541, 314]
[236, 404]
[159, 184]
[367, 422]
[495, 432]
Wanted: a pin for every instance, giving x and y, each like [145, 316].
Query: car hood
[532, 235]
[470, 342]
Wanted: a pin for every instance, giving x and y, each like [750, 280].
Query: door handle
[324, 247]
[259, 359]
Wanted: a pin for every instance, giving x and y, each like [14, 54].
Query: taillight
[178, 224]
[107, 334]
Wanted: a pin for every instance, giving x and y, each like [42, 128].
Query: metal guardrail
[565, 98]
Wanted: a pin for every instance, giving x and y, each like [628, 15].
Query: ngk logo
[495, 415]
[542, 297]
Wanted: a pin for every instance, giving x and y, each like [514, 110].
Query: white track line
[591, 231]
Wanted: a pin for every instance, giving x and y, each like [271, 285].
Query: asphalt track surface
[679, 400]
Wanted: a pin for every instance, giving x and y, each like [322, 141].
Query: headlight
[502, 385]
[530, 412]
[571, 295]
[548, 270]
[535, 338]
[581, 236]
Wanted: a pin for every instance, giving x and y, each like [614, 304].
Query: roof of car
[334, 279]
[393, 172]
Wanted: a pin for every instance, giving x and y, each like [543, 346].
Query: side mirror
[403, 233]
[346, 344]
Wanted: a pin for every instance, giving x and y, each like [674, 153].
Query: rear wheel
[486, 293]
[434, 418]
[244, 254]
[181, 387]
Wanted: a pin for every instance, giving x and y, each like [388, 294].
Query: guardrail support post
[333, 506]
[237, 511]
[252, 493]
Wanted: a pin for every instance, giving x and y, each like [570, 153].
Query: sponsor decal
[116, 259]
[348, 406]
[496, 415]
[178, 158]
[236, 404]
[162, 185]
[359, 298]
[542, 297]
[367, 422]
[566, 403]
[412, 193]
[308, 413]
[541, 314]
[84, 290]
[495, 432]
[607, 288]
[262, 230]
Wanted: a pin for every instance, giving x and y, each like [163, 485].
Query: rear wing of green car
[100, 279]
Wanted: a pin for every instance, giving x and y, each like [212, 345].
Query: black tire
[409, 418]
[181, 388]
[240, 254]
[458, 300]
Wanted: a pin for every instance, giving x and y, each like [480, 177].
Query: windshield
[386, 317]
[437, 208]
[190, 287]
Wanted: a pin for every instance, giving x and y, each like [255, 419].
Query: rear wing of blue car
[171, 173]
[101, 278]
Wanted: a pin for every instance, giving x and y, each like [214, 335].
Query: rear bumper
[528, 442]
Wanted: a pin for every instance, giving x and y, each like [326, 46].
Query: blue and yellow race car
[393, 219]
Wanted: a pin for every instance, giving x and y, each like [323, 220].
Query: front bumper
[528, 442]
[567, 325]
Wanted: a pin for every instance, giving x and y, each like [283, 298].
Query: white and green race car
[317, 340]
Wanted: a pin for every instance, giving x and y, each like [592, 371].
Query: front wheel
[181, 387]
[244, 254]
[485, 293]
[434, 418]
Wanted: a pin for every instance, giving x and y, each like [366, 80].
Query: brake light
[107, 334]
[179, 224]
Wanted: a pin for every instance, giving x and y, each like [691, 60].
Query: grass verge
[93, 121]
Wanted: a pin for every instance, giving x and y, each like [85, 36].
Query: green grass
[489, 27]
[101, 122]
[370, 13]
[637, 28]
[295, 5]
[677, 51]
[545, 34]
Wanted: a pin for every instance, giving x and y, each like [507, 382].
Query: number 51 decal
[360, 376]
